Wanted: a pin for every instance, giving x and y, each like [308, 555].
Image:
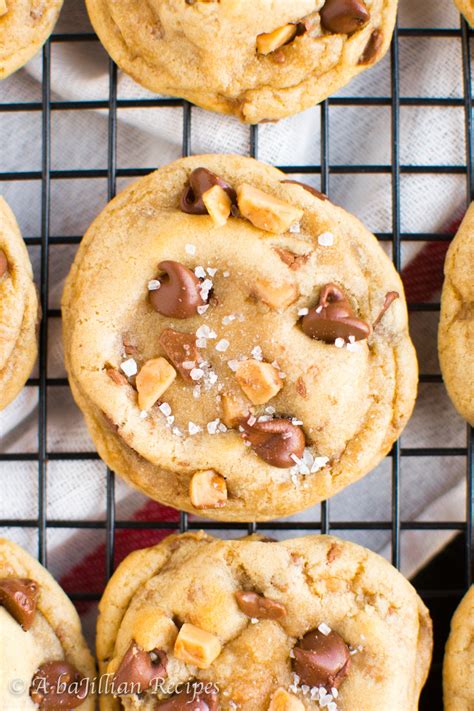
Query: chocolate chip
[275, 441]
[19, 596]
[372, 48]
[179, 294]
[344, 16]
[180, 348]
[390, 297]
[200, 181]
[191, 701]
[254, 605]
[308, 188]
[57, 685]
[322, 660]
[138, 669]
[334, 317]
[3, 263]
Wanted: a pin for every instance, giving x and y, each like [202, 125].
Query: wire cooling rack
[46, 242]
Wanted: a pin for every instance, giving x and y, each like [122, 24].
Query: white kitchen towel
[148, 137]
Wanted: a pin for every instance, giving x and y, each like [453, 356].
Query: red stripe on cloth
[422, 279]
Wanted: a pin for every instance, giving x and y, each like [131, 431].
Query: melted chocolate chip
[19, 596]
[275, 441]
[3, 263]
[308, 188]
[180, 348]
[333, 318]
[179, 294]
[254, 605]
[57, 685]
[344, 16]
[372, 48]
[390, 297]
[200, 181]
[191, 701]
[322, 660]
[140, 669]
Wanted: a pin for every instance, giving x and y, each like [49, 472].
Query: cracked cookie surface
[25, 25]
[312, 583]
[456, 328]
[458, 665]
[18, 309]
[305, 414]
[289, 55]
[39, 626]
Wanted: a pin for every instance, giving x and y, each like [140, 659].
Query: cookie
[264, 64]
[240, 367]
[466, 7]
[309, 623]
[458, 665]
[456, 328]
[41, 643]
[18, 309]
[25, 25]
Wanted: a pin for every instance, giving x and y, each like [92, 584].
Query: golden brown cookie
[262, 61]
[41, 644]
[233, 370]
[466, 7]
[25, 25]
[456, 328]
[309, 623]
[18, 309]
[458, 666]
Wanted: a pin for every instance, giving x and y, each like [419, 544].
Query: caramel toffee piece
[254, 605]
[277, 442]
[322, 659]
[179, 293]
[344, 16]
[58, 685]
[200, 181]
[20, 596]
[181, 350]
[334, 318]
[138, 669]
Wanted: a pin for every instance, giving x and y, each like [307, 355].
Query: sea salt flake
[201, 343]
[190, 249]
[143, 414]
[202, 309]
[228, 319]
[165, 409]
[319, 309]
[270, 410]
[212, 377]
[251, 421]
[295, 228]
[303, 312]
[326, 239]
[319, 463]
[188, 364]
[196, 374]
[170, 420]
[222, 345]
[339, 343]
[211, 271]
[205, 332]
[197, 392]
[257, 353]
[129, 367]
[226, 274]
[296, 422]
[212, 426]
[153, 285]
[200, 272]
[254, 620]
[233, 364]
[206, 286]
[222, 427]
[193, 428]
[177, 432]
[324, 629]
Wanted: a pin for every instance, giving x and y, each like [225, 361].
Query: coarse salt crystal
[212, 377]
[202, 309]
[222, 345]
[196, 374]
[226, 274]
[324, 629]
[197, 392]
[193, 428]
[254, 620]
[319, 309]
[339, 343]
[212, 272]
[170, 420]
[296, 228]
[334, 692]
[201, 343]
[205, 332]
[190, 249]
[233, 364]
[257, 353]
[200, 272]
[206, 286]
[188, 364]
[303, 312]
[296, 422]
[251, 421]
[129, 367]
[222, 427]
[228, 319]
[212, 426]
[153, 285]
[165, 409]
[177, 432]
[326, 239]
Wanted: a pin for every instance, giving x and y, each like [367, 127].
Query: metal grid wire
[46, 242]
